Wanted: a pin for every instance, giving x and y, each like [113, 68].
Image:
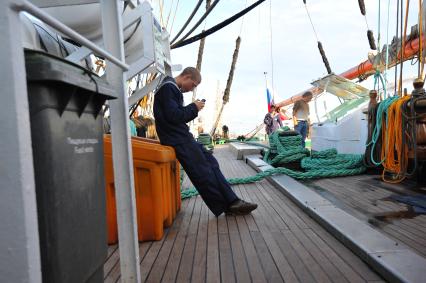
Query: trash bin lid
[43, 67]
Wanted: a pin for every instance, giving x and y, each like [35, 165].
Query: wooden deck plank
[115, 274]
[149, 259]
[242, 273]
[245, 224]
[213, 267]
[355, 193]
[163, 257]
[345, 254]
[275, 222]
[267, 261]
[373, 194]
[187, 232]
[266, 226]
[333, 257]
[253, 262]
[112, 268]
[251, 224]
[111, 250]
[296, 263]
[316, 253]
[271, 220]
[288, 217]
[227, 272]
[187, 259]
[291, 219]
[112, 260]
[200, 253]
[278, 242]
[307, 258]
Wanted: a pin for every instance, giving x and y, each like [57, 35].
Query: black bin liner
[66, 115]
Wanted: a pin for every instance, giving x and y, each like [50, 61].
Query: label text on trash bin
[82, 146]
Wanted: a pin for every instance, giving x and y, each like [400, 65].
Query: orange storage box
[174, 172]
[157, 200]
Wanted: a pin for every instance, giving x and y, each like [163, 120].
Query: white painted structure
[19, 242]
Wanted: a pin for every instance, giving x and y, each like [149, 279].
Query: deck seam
[383, 265]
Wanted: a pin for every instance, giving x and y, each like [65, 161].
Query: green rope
[378, 78]
[205, 139]
[285, 148]
[382, 111]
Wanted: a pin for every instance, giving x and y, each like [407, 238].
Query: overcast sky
[294, 61]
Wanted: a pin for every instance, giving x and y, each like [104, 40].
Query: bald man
[200, 165]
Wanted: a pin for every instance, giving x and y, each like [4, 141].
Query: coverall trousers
[203, 170]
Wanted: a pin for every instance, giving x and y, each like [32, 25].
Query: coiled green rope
[285, 149]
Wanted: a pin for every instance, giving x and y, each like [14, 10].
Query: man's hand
[200, 104]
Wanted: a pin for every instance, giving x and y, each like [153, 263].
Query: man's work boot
[240, 207]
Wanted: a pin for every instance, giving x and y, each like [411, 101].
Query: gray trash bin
[66, 115]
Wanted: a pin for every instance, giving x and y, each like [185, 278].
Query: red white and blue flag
[269, 99]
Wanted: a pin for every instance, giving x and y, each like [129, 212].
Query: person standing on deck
[199, 164]
[272, 121]
[301, 115]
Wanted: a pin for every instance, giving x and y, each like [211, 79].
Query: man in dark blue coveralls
[199, 164]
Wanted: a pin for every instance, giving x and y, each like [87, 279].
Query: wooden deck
[276, 243]
[366, 197]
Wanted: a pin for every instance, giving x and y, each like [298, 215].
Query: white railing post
[122, 154]
[19, 240]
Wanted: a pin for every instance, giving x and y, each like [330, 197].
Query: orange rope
[421, 61]
[394, 152]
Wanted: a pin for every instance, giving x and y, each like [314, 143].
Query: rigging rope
[396, 87]
[188, 20]
[312, 24]
[387, 45]
[381, 112]
[394, 150]
[168, 16]
[378, 26]
[403, 44]
[370, 34]
[320, 48]
[199, 21]
[242, 20]
[200, 54]
[161, 4]
[216, 27]
[174, 16]
[271, 51]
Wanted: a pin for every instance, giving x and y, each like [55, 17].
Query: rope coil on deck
[285, 148]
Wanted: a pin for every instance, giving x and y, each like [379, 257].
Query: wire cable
[271, 51]
[188, 20]
[174, 16]
[320, 47]
[312, 24]
[199, 21]
[216, 27]
[242, 21]
[403, 43]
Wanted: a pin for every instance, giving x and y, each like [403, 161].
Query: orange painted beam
[364, 68]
